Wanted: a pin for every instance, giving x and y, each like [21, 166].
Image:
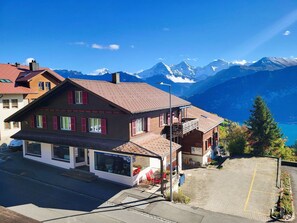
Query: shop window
[61, 153]
[5, 103]
[14, 103]
[33, 148]
[113, 163]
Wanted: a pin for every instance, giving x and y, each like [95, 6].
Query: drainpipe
[162, 183]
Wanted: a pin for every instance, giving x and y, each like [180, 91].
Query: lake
[290, 131]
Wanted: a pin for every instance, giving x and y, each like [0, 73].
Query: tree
[264, 134]
[237, 140]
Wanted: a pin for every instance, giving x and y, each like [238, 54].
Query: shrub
[178, 197]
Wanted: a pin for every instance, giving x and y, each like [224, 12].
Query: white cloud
[179, 79]
[239, 62]
[161, 58]
[166, 29]
[286, 33]
[28, 60]
[109, 47]
[192, 59]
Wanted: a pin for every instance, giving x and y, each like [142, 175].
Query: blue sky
[134, 35]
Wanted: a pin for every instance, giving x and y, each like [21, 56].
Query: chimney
[17, 64]
[33, 65]
[116, 78]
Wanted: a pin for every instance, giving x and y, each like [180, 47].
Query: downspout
[162, 183]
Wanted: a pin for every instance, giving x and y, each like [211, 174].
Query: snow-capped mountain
[100, 71]
[158, 69]
[184, 69]
[273, 63]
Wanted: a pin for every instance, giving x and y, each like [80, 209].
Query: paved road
[293, 173]
[244, 187]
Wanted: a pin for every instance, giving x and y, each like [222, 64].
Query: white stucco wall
[46, 156]
[155, 163]
[201, 159]
[6, 112]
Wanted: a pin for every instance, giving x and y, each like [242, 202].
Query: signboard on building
[196, 150]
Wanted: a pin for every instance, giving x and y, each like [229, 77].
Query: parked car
[15, 145]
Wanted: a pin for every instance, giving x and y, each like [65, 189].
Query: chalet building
[19, 85]
[118, 131]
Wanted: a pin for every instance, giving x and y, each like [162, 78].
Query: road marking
[250, 190]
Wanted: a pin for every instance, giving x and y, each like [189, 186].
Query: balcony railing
[182, 128]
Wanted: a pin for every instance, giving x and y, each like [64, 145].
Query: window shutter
[85, 97]
[70, 97]
[161, 120]
[103, 126]
[44, 122]
[83, 124]
[72, 124]
[133, 129]
[148, 124]
[55, 123]
[32, 121]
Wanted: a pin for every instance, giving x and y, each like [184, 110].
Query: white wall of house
[155, 163]
[200, 159]
[46, 156]
[5, 134]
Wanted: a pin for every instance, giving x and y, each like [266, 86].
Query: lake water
[290, 131]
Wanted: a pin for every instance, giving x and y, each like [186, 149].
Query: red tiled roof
[207, 121]
[15, 74]
[130, 96]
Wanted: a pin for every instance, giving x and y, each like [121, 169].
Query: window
[7, 125]
[38, 121]
[65, 123]
[61, 153]
[113, 163]
[139, 124]
[95, 125]
[41, 85]
[15, 124]
[14, 103]
[78, 97]
[5, 81]
[33, 148]
[47, 86]
[5, 103]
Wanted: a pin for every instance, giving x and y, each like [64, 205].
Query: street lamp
[170, 159]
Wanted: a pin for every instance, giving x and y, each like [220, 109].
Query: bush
[178, 197]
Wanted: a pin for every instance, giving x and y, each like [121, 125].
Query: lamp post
[170, 152]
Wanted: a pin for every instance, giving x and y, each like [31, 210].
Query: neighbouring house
[19, 85]
[118, 131]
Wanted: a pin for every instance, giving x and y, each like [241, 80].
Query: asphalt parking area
[244, 187]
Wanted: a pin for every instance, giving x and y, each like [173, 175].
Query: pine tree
[264, 134]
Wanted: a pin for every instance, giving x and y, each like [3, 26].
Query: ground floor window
[113, 163]
[33, 148]
[61, 153]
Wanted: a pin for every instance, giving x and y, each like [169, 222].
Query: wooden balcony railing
[182, 128]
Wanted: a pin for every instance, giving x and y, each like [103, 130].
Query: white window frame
[139, 125]
[65, 123]
[5, 106]
[41, 85]
[78, 97]
[14, 105]
[48, 86]
[38, 121]
[94, 125]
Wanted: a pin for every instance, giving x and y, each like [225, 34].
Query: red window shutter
[85, 97]
[55, 123]
[133, 129]
[32, 121]
[161, 120]
[103, 126]
[44, 122]
[72, 124]
[70, 97]
[83, 124]
[148, 124]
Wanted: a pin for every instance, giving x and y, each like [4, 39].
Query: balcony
[181, 128]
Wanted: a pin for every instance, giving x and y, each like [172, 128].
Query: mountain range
[225, 88]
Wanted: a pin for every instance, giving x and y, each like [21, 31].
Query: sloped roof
[207, 121]
[132, 97]
[147, 145]
[20, 74]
